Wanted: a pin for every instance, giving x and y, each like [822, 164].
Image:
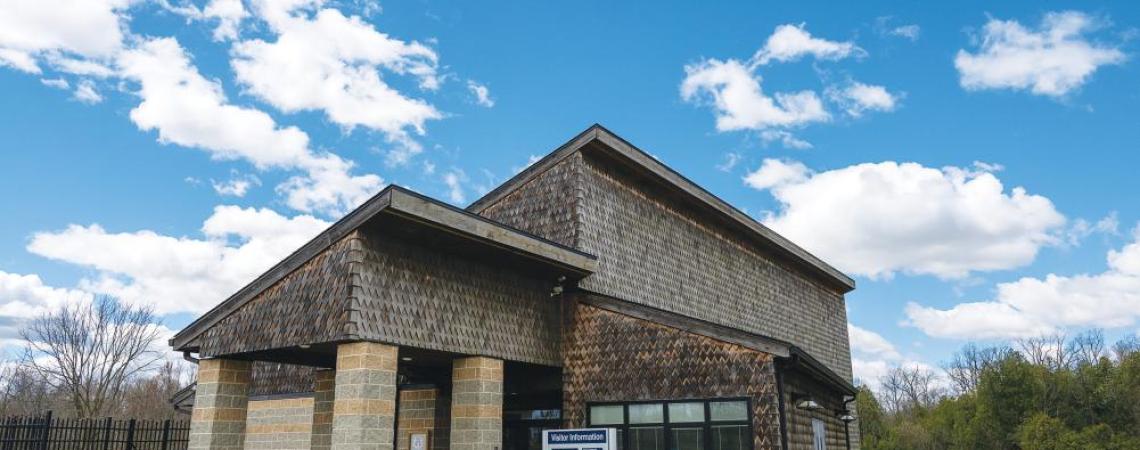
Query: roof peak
[645, 162]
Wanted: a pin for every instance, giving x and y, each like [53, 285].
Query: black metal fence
[48, 433]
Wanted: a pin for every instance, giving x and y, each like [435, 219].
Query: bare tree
[1087, 347]
[149, 398]
[907, 389]
[89, 351]
[1047, 351]
[966, 366]
[1126, 346]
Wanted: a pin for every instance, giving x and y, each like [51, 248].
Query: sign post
[580, 439]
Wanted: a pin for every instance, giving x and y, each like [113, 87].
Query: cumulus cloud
[732, 88]
[792, 42]
[187, 109]
[481, 93]
[326, 61]
[31, 29]
[180, 274]
[871, 343]
[1052, 60]
[1034, 306]
[878, 219]
[740, 103]
[857, 98]
[24, 297]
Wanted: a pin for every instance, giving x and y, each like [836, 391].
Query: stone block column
[323, 395]
[220, 402]
[477, 404]
[417, 414]
[364, 405]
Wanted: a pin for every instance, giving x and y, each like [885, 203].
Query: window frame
[667, 426]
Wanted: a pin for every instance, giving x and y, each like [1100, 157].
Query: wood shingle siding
[614, 357]
[406, 294]
[662, 254]
[306, 306]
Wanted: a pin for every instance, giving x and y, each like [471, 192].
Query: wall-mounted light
[304, 346]
[845, 417]
[805, 402]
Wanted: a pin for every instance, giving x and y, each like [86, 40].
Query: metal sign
[580, 439]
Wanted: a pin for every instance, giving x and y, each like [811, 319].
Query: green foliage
[1088, 402]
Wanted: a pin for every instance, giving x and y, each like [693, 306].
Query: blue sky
[972, 165]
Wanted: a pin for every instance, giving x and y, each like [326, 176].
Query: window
[720, 424]
[819, 434]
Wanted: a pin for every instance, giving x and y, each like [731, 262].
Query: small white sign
[419, 441]
[580, 439]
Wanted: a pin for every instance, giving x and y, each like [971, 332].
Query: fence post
[107, 434]
[45, 431]
[166, 434]
[131, 435]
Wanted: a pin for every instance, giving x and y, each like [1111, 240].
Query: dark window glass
[646, 438]
[730, 437]
[687, 439]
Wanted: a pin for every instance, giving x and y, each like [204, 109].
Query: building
[597, 287]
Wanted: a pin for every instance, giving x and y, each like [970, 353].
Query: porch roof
[412, 211]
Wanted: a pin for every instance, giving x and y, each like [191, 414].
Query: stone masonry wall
[279, 424]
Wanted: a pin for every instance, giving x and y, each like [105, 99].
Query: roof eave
[618, 145]
[409, 205]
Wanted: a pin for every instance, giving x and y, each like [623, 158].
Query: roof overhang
[406, 213]
[600, 140]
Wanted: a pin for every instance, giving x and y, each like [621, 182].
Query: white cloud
[911, 32]
[192, 111]
[229, 14]
[481, 93]
[24, 297]
[732, 88]
[58, 83]
[871, 343]
[785, 138]
[877, 219]
[1052, 60]
[741, 104]
[454, 180]
[332, 63]
[792, 42]
[85, 92]
[883, 26]
[180, 274]
[1037, 306]
[731, 159]
[33, 28]
[238, 185]
[775, 172]
[530, 160]
[857, 98]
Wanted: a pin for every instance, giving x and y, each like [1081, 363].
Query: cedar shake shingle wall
[307, 306]
[613, 357]
[800, 434]
[545, 206]
[270, 378]
[658, 253]
[406, 294]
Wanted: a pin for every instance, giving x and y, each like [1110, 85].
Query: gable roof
[598, 138]
[416, 211]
